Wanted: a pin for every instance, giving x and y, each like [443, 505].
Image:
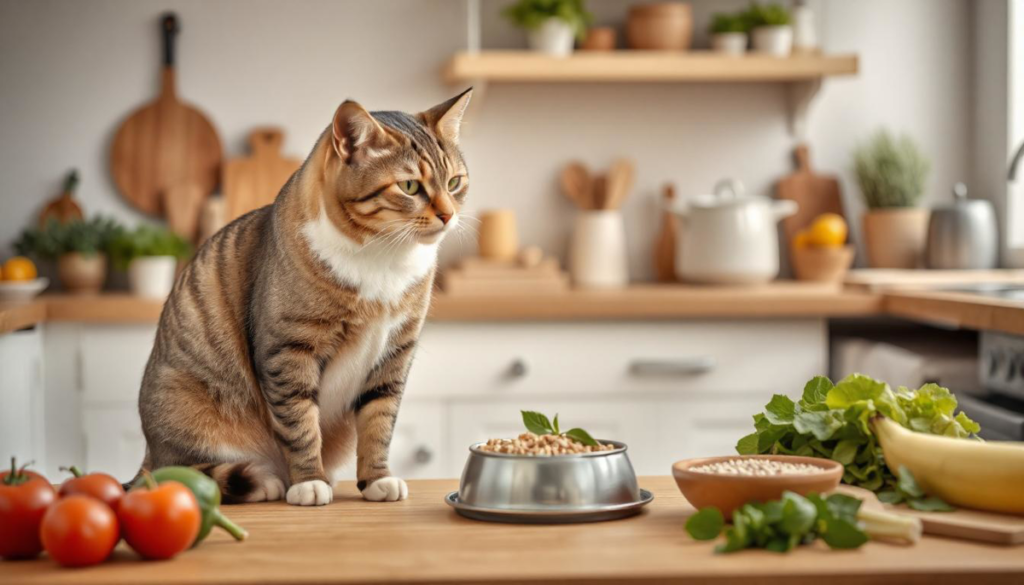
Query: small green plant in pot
[78, 247]
[551, 25]
[150, 254]
[770, 28]
[729, 33]
[891, 172]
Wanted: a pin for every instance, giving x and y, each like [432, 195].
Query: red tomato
[159, 521]
[24, 498]
[101, 486]
[79, 531]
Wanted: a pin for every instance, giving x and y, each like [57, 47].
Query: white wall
[72, 71]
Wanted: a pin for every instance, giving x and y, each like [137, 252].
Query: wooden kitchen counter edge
[422, 540]
[781, 299]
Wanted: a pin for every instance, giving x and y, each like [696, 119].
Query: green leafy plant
[539, 424]
[891, 171]
[531, 14]
[766, 15]
[88, 237]
[146, 241]
[723, 22]
[833, 422]
[784, 524]
[907, 490]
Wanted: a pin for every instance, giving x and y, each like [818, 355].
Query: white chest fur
[382, 270]
[345, 374]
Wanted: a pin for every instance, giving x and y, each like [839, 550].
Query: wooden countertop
[421, 540]
[957, 310]
[780, 299]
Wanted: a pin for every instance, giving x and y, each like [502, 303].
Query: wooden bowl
[662, 26]
[601, 38]
[728, 492]
[822, 264]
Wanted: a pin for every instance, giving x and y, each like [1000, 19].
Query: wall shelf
[803, 74]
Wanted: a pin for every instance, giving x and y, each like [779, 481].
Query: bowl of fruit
[819, 252]
[19, 281]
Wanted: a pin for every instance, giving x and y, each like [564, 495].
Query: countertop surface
[422, 540]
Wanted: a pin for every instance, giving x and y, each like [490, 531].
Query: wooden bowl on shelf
[822, 264]
[661, 26]
[729, 492]
[600, 38]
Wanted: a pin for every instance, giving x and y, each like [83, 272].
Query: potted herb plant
[891, 172]
[150, 254]
[551, 25]
[771, 31]
[729, 33]
[79, 248]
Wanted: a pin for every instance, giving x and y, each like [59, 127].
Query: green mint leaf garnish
[706, 524]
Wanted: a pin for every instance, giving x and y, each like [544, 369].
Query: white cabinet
[113, 439]
[22, 431]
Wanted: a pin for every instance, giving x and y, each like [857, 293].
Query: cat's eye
[409, 187]
[454, 183]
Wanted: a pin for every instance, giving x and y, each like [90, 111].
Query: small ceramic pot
[732, 43]
[597, 252]
[81, 273]
[601, 38]
[776, 41]
[499, 238]
[895, 238]
[152, 277]
[553, 37]
[664, 26]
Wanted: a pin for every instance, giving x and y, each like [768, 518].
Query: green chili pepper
[207, 493]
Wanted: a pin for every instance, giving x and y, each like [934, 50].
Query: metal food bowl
[584, 487]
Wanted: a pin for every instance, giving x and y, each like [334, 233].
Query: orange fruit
[828, 231]
[19, 268]
[802, 240]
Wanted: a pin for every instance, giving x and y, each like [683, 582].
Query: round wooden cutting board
[165, 144]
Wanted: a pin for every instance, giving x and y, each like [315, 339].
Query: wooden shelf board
[643, 66]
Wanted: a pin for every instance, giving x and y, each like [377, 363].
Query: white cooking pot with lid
[728, 237]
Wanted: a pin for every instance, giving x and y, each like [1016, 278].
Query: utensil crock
[597, 252]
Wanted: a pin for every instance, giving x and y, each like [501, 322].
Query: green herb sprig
[539, 424]
[783, 524]
[907, 491]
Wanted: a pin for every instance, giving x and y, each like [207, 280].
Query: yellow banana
[963, 472]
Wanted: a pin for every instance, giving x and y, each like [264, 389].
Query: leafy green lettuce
[833, 422]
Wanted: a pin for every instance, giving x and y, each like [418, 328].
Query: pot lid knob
[729, 188]
[960, 192]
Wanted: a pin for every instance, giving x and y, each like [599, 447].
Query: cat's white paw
[310, 493]
[270, 489]
[386, 489]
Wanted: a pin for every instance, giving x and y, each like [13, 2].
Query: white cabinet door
[113, 361]
[703, 428]
[22, 419]
[628, 421]
[113, 439]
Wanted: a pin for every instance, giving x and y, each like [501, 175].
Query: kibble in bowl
[729, 482]
[542, 446]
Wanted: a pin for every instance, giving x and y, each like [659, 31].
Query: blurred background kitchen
[677, 209]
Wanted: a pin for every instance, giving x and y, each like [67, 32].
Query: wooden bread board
[460, 284]
[875, 279]
[962, 523]
[254, 181]
[814, 194]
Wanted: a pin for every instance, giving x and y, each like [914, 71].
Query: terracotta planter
[664, 26]
[82, 274]
[600, 38]
[895, 238]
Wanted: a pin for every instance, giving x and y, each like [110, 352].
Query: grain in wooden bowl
[730, 481]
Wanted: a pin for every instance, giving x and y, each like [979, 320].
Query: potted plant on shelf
[770, 29]
[729, 33]
[78, 246]
[551, 25]
[150, 254]
[891, 173]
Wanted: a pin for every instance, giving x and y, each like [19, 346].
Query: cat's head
[394, 175]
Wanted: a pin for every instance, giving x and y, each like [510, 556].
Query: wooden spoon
[578, 185]
[619, 182]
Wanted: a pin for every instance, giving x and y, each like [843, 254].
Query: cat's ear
[446, 118]
[357, 135]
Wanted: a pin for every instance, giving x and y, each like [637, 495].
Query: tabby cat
[286, 342]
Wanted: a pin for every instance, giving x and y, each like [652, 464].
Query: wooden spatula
[618, 184]
[578, 185]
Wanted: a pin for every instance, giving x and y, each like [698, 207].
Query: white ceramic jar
[152, 277]
[729, 238]
[597, 252]
[553, 37]
[730, 43]
[776, 41]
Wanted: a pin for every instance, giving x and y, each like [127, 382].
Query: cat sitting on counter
[286, 342]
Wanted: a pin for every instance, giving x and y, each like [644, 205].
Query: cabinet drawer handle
[518, 369]
[423, 455]
[690, 366]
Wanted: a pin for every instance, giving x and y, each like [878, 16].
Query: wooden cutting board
[165, 143]
[962, 523]
[254, 181]
[814, 194]
[877, 279]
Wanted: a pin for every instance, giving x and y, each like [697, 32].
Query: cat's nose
[444, 217]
